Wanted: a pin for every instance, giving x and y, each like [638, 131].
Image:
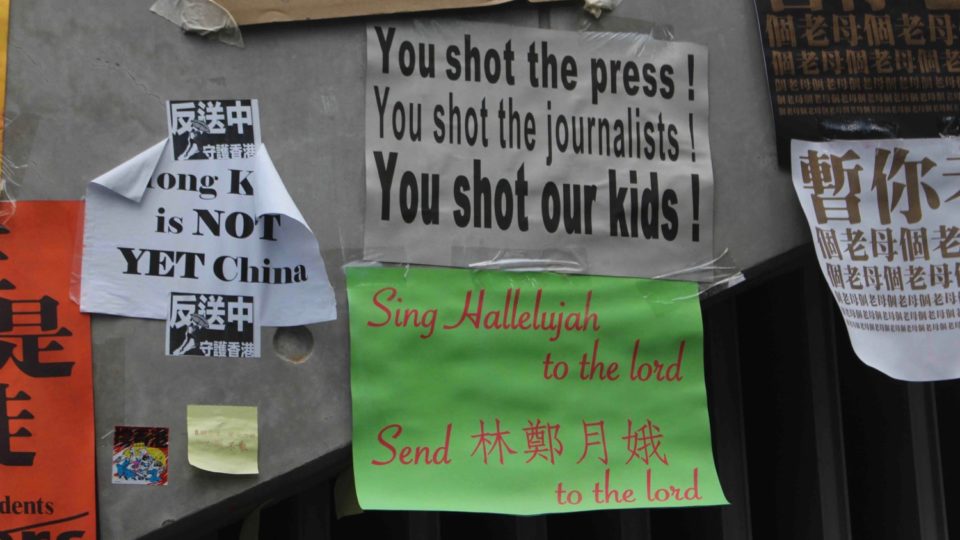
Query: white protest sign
[587, 151]
[885, 220]
[203, 211]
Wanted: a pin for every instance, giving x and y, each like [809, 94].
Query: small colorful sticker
[140, 455]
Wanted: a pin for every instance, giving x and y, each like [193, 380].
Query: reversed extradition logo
[215, 325]
[214, 129]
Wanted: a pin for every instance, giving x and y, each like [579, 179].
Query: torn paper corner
[130, 179]
[203, 17]
[273, 197]
[598, 7]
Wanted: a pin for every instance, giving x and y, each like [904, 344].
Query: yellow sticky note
[222, 438]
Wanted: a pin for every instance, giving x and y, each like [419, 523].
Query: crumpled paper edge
[130, 179]
[203, 17]
[598, 7]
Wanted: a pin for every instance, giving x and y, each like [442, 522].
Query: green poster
[527, 393]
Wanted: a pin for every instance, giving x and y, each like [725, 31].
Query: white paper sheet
[239, 234]
[885, 221]
[585, 152]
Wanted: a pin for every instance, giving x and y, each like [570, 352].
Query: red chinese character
[594, 437]
[498, 444]
[644, 443]
[543, 441]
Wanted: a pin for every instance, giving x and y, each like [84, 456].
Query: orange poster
[4, 34]
[47, 485]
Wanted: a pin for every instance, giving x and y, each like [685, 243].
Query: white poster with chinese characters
[885, 220]
[497, 145]
[205, 212]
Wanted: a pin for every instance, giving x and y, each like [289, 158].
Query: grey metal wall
[86, 85]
